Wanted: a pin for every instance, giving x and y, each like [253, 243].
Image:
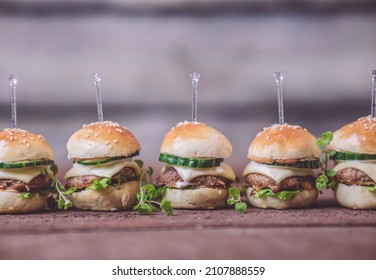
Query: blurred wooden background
[145, 51]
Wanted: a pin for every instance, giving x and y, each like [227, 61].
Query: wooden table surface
[324, 231]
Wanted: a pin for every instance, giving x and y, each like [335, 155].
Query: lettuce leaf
[283, 195]
[371, 188]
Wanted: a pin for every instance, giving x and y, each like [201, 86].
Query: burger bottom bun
[12, 202]
[355, 197]
[112, 198]
[200, 198]
[302, 199]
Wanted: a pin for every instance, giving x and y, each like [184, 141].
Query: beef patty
[82, 182]
[169, 177]
[259, 182]
[40, 182]
[354, 177]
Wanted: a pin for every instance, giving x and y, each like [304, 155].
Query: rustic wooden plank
[219, 243]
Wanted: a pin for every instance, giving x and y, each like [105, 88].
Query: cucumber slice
[190, 162]
[308, 164]
[21, 164]
[106, 160]
[339, 155]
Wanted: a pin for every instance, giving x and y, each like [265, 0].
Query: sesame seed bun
[200, 198]
[282, 143]
[196, 140]
[302, 199]
[356, 137]
[355, 197]
[21, 145]
[112, 198]
[102, 139]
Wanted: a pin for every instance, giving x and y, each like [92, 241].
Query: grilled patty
[40, 182]
[169, 177]
[82, 182]
[259, 182]
[352, 176]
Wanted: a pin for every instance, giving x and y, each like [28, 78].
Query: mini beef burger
[104, 174]
[25, 175]
[195, 175]
[280, 174]
[355, 157]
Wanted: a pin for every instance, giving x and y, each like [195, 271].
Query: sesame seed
[11, 138]
[32, 138]
[110, 146]
[96, 134]
[107, 142]
[28, 145]
[115, 141]
[87, 136]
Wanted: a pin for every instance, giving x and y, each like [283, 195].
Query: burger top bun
[283, 142]
[196, 140]
[21, 145]
[356, 137]
[102, 139]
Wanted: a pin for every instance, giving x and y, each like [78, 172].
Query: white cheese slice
[277, 173]
[24, 174]
[180, 185]
[188, 173]
[101, 170]
[367, 166]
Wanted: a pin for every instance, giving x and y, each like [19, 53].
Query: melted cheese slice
[188, 173]
[25, 174]
[277, 173]
[101, 170]
[367, 166]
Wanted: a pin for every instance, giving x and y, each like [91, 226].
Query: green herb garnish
[149, 196]
[100, 185]
[282, 195]
[63, 195]
[327, 178]
[235, 199]
[64, 201]
[371, 188]
[26, 195]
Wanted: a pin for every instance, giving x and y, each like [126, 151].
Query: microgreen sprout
[149, 196]
[235, 198]
[327, 178]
